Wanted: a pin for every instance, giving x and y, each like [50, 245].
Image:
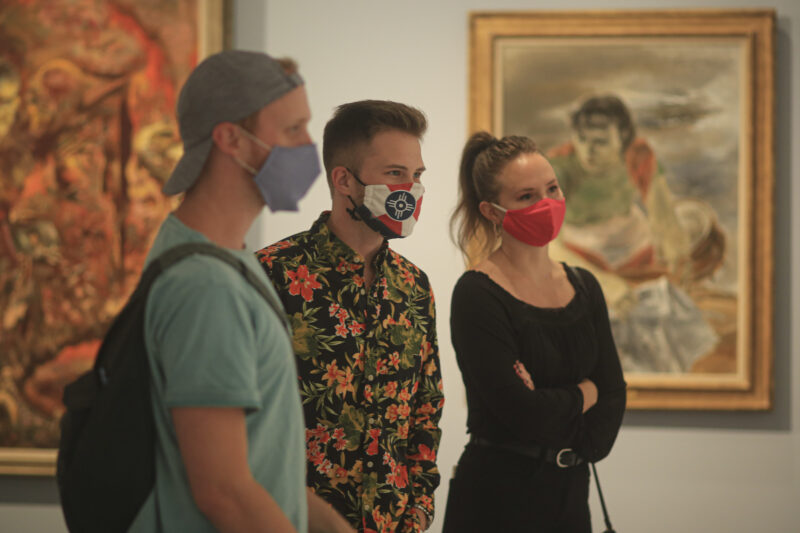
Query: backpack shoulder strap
[578, 278]
[173, 255]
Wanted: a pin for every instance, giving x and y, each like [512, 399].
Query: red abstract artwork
[87, 138]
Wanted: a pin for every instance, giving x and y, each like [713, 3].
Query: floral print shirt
[369, 376]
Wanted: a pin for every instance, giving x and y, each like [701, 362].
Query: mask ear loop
[258, 142]
[496, 226]
[245, 166]
[353, 212]
[255, 139]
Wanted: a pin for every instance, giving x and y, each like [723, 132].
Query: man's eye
[293, 130]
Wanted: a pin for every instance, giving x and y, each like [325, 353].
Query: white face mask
[391, 210]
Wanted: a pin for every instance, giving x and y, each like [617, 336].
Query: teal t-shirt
[213, 341]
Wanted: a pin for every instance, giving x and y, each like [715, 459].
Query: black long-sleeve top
[498, 338]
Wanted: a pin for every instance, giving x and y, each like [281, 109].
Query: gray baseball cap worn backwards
[225, 87]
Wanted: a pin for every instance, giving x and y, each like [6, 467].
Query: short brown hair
[610, 108]
[354, 125]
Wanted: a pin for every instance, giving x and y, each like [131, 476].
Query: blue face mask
[286, 175]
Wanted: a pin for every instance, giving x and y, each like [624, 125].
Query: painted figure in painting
[645, 245]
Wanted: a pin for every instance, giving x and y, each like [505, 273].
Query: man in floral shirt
[364, 325]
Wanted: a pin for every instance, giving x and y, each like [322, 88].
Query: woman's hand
[589, 390]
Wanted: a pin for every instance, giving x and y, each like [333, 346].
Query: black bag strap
[577, 275]
[609, 528]
[173, 255]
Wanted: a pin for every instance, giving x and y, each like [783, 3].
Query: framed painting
[87, 138]
[659, 125]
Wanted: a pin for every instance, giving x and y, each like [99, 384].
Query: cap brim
[188, 168]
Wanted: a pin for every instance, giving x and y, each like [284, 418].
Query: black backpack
[106, 457]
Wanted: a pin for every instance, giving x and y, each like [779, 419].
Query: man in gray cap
[229, 424]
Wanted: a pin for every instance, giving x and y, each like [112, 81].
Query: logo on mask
[400, 205]
[391, 210]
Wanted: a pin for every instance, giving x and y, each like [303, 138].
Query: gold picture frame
[691, 82]
[94, 93]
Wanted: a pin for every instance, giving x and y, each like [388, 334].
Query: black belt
[563, 458]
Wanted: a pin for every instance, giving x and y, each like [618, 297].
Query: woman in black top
[545, 390]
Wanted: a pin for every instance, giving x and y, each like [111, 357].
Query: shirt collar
[331, 249]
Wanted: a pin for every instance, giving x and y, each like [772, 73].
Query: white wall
[694, 472]
[702, 472]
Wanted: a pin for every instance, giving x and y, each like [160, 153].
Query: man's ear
[227, 137]
[343, 181]
[490, 212]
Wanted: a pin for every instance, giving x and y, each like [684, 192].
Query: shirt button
[371, 420]
[370, 464]
[370, 377]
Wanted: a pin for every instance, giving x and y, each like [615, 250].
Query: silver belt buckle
[558, 458]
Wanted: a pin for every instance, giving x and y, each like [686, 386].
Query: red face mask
[537, 224]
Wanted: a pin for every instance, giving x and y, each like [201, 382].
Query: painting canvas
[656, 126]
[87, 138]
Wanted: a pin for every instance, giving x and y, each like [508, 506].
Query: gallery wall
[669, 471]
[703, 472]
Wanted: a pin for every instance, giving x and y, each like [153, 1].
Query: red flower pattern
[303, 283]
[364, 395]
